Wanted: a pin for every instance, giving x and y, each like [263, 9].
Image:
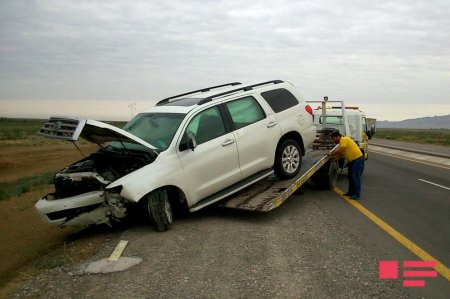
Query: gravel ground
[300, 250]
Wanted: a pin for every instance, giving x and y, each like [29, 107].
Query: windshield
[332, 120]
[157, 129]
[337, 122]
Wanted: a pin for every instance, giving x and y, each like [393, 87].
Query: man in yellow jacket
[351, 152]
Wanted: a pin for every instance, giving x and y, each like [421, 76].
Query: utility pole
[132, 107]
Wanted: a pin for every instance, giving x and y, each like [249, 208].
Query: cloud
[368, 52]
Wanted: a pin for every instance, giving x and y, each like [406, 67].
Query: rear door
[256, 134]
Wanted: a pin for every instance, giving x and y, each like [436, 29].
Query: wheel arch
[295, 136]
[176, 196]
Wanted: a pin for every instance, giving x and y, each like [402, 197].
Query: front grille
[62, 128]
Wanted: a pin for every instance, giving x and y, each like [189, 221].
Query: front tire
[288, 159]
[160, 209]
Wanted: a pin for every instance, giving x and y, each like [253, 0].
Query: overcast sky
[94, 58]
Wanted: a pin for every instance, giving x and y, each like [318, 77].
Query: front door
[213, 165]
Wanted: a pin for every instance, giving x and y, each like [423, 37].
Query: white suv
[187, 152]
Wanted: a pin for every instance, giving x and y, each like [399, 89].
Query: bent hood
[72, 128]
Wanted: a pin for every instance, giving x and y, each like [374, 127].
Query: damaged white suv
[187, 152]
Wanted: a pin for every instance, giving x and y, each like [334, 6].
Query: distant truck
[371, 127]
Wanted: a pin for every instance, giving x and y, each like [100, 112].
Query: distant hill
[433, 122]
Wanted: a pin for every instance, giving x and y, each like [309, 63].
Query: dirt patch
[24, 236]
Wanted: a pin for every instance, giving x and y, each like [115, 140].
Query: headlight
[112, 195]
[115, 203]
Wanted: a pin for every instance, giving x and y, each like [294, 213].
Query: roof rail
[243, 88]
[195, 91]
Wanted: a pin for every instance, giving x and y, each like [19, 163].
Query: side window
[206, 125]
[279, 99]
[245, 111]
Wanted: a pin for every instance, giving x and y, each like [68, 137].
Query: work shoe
[354, 197]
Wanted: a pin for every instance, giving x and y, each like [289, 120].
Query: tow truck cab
[350, 122]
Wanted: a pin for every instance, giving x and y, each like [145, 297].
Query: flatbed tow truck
[270, 193]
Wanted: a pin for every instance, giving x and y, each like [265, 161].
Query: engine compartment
[98, 170]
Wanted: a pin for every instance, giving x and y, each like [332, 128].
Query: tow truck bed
[268, 194]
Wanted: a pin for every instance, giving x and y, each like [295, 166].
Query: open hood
[72, 128]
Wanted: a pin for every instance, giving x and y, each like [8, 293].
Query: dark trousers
[354, 176]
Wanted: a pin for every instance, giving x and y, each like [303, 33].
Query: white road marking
[434, 184]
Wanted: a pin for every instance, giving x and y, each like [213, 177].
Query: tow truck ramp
[270, 193]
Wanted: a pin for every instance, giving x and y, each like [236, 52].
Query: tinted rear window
[279, 99]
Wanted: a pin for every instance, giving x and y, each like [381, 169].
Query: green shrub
[16, 188]
[429, 136]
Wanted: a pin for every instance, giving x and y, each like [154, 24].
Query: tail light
[309, 109]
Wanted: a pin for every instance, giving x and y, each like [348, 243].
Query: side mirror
[191, 143]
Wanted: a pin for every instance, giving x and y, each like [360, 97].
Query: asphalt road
[394, 190]
[315, 245]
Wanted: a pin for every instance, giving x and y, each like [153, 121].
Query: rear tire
[288, 159]
[326, 177]
[160, 209]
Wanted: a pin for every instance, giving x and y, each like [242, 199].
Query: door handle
[271, 124]
[228, 142]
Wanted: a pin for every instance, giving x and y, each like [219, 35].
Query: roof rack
[195, 91]
[243, 88]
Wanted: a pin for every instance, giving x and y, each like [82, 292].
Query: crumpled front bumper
[80, 210]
